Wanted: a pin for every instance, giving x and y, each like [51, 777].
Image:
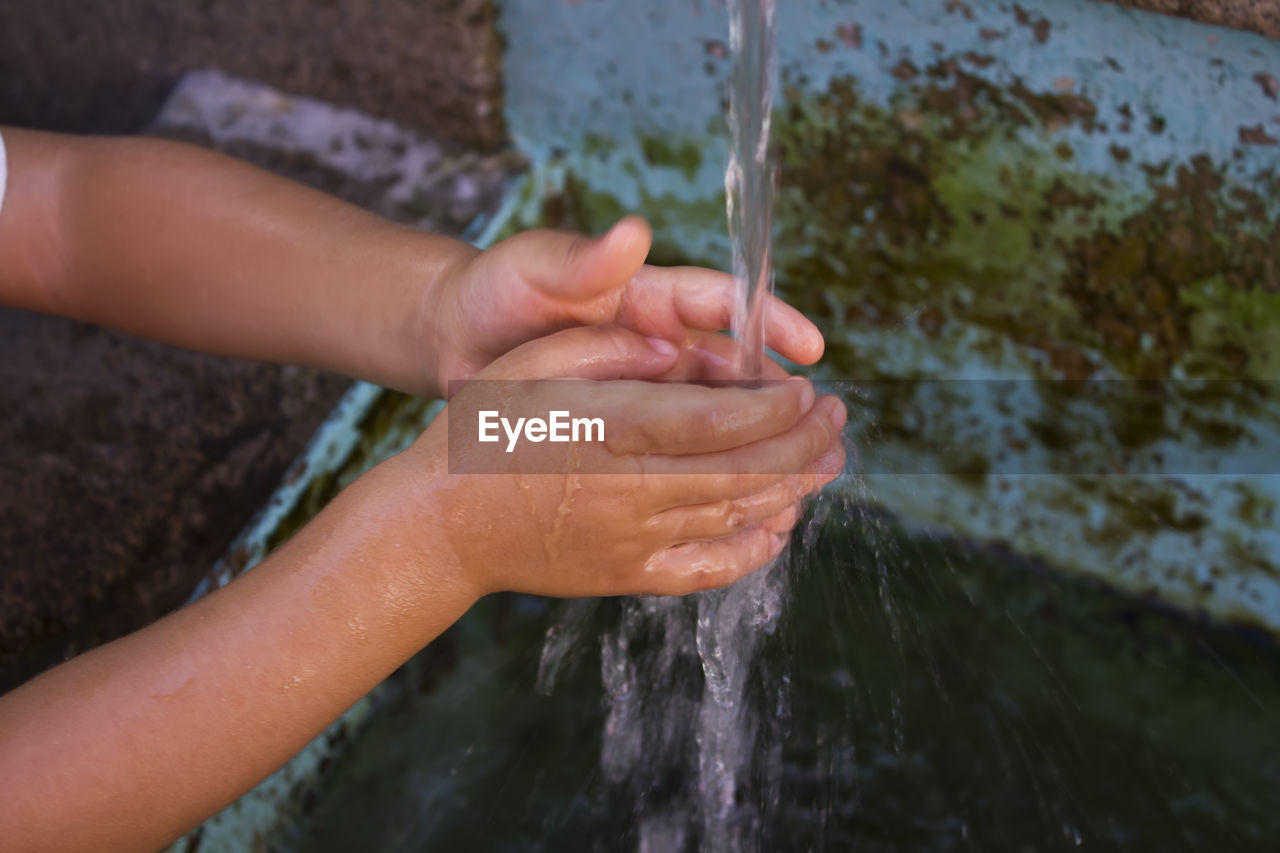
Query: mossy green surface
[958, 230]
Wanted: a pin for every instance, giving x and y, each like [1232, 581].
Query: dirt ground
[126, 467]
[105, 66]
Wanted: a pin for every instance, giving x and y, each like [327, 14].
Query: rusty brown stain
[1270, 86]
[1039, 27]
[850, 34]
[1256, 135]
[904, 70]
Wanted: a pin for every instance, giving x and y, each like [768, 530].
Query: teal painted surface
[975, 190]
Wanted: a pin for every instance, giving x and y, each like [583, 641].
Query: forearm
[178, 244]
[130, 745]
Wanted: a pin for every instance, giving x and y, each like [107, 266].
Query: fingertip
[812, 344]
[829, 468]
[806, 393]
[663, 347]
[793, 334]
[629, 236]
[839, 414]
[596, 266]
[817, 346]
[835, 411]
[783, 522]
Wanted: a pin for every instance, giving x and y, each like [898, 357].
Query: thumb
[586, 352]
[577, 267]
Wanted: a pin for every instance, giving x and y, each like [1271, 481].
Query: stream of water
[704, 735]
[749, 179]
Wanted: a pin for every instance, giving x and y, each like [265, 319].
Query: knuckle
[733, 515]
[574, 245]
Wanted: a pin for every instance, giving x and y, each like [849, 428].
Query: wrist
[385, 320]
[427, 519]
[414, 325]
[434, 319]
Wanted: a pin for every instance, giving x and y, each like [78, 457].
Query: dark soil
[105, 66]
[126, 467]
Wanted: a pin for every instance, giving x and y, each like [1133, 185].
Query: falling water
[685, 730]
[732, 622]
[749, 179]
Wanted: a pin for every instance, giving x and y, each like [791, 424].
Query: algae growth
[944, 208]
[954, 231]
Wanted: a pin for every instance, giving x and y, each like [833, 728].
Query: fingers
[576, 267]
[775, 505]
[706, 564]
[679, 419]
[587, 352]
[725, 518]
[696, 298]
[710, 356]
[699, 566]
[784, 521]
[740, 472]
[669, 418]
[716, 357]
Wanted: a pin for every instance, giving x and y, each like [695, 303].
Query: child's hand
[538, 282]
[254, 266]
[694, 487]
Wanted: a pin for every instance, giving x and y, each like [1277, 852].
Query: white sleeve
[4, 171]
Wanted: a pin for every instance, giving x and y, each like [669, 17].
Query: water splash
[731, 623]
[693, 723]
[731, 626]
[684, 729]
